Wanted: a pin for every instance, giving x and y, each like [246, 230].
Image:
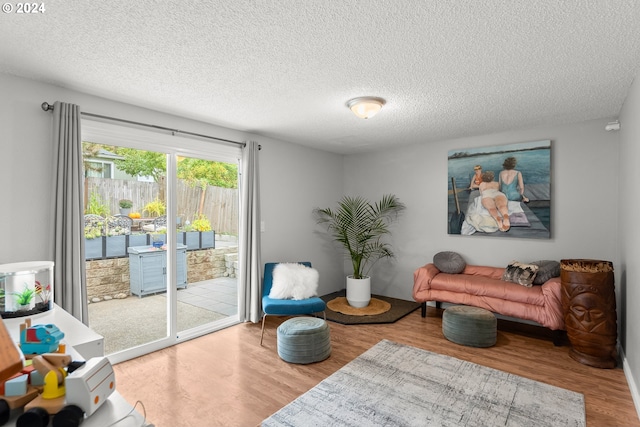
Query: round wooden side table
[589, 303]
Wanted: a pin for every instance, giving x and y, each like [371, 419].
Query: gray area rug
[397, 385]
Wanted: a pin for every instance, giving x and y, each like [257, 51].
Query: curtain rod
[48, 107]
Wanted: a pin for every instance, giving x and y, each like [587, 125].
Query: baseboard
[633, 388]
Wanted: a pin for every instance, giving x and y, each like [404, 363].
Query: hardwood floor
[228, 379]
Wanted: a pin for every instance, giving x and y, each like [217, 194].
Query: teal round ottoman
[470, 326]
[304, 340]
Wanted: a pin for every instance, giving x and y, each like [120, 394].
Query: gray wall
[629, 234]
[584, 201]
[593, 184]
[294, 178]
[293, 181]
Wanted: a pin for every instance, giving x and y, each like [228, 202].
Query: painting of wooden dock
[522, 175]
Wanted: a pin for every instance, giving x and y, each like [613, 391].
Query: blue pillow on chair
[286, 307]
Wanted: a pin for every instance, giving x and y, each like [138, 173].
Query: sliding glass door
[126, 248]
[161, 238]
[207, 229]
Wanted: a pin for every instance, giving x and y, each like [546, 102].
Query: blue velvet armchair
[286, 307]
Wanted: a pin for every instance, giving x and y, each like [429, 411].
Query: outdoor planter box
[113, 246]
[207, 239]
[93, 248]
[138, 240]
[192, 240]
[116, 246]
[197, 239]
[181, 238]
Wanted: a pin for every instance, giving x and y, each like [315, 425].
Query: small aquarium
[26, 288]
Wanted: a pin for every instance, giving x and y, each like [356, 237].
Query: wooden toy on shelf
[37, 388]
[39, 339]
[71, 394]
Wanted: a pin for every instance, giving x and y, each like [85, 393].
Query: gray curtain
[70, 291]
[250, 260]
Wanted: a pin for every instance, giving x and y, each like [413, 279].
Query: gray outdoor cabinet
[148, 269]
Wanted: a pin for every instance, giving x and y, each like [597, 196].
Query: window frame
[173, 144]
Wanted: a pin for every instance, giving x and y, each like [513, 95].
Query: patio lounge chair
[159, 223]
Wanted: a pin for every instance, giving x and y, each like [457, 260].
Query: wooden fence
[220, 205]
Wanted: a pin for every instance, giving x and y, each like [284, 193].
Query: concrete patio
[133, 321]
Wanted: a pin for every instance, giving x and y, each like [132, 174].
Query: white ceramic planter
[358, 291]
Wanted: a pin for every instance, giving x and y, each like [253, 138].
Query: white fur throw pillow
[294, 281]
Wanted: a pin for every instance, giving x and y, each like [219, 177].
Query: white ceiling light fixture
[366, 107]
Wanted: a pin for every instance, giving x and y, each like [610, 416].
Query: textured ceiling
[286, 68]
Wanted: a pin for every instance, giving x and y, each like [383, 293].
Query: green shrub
[125, 203]
[155, 208]
[201, 224]
[97, 206]
[93, 229]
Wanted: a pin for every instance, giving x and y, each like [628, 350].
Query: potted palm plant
[360, 227]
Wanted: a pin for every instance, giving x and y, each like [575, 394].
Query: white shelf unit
[82, 343]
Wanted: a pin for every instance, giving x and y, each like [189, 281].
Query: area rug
[393, 384]
[399, 309]
[376, 306]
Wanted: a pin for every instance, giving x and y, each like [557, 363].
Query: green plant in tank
[25, 297]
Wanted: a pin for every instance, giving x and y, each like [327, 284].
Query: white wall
[629, 236]
[584, 201]
[295, 178]
[594, 210]
[298, 180]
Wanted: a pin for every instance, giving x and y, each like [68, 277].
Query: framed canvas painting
[501, 191]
